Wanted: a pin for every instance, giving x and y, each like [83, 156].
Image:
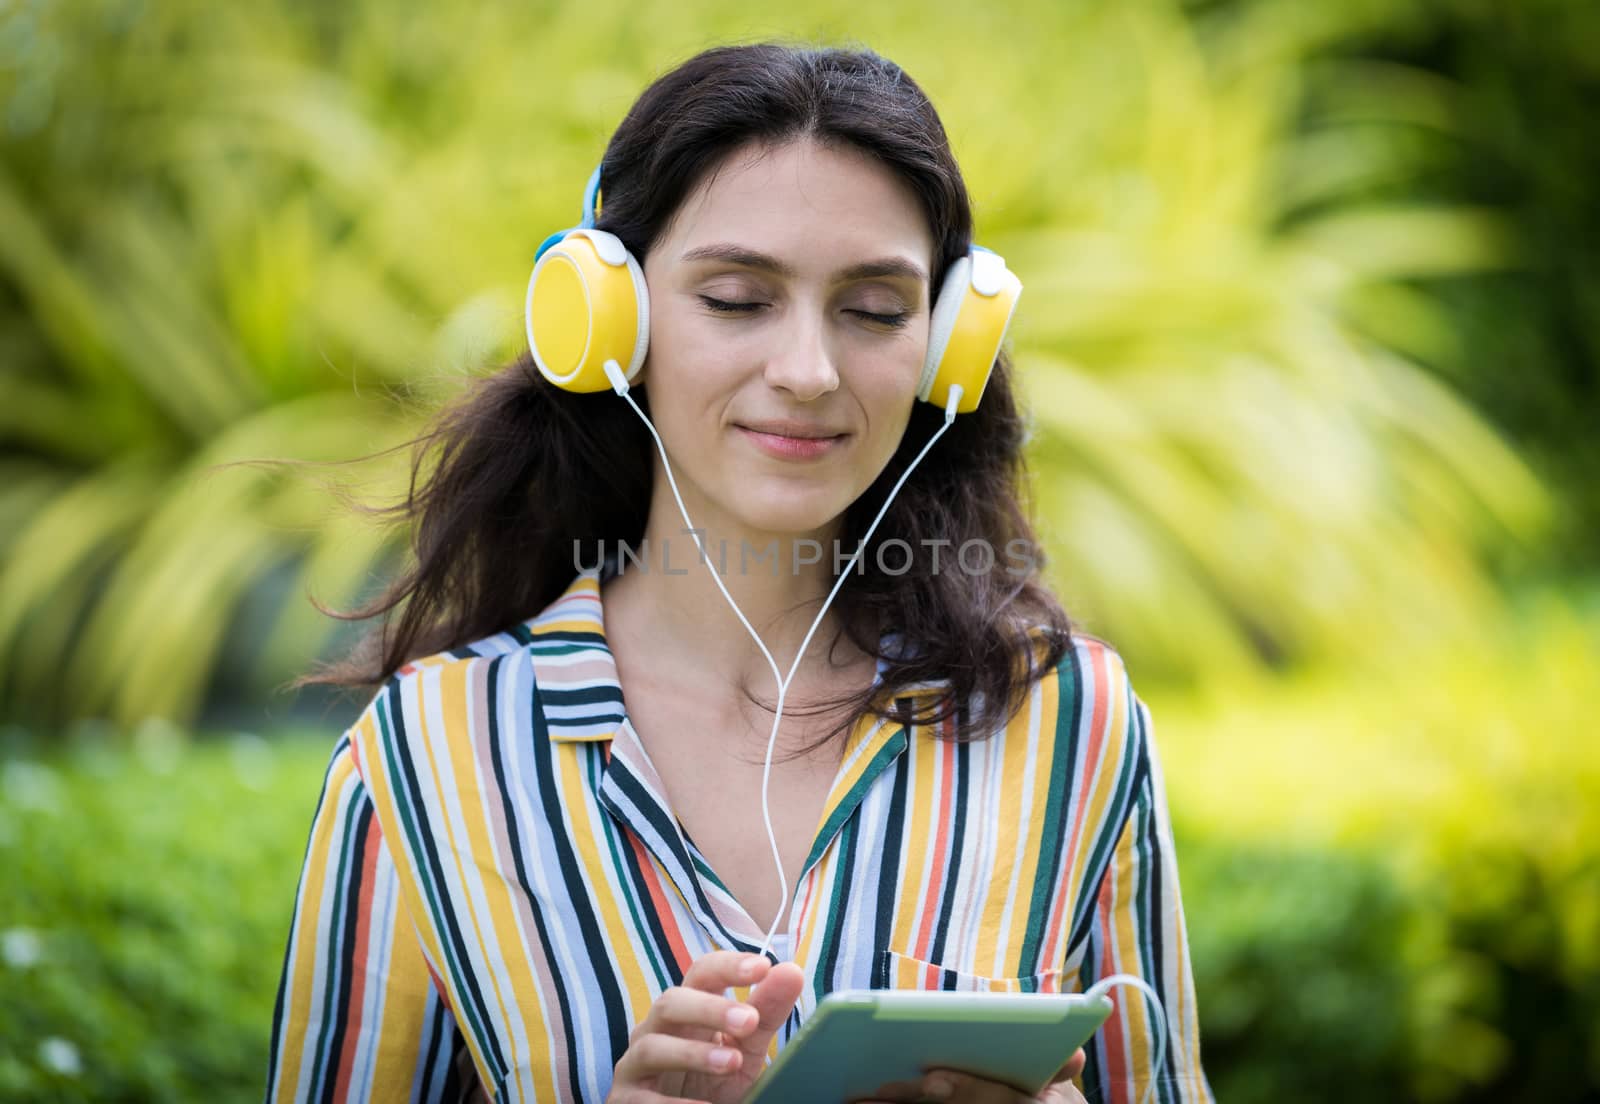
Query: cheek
[690, 358]
[890, 384]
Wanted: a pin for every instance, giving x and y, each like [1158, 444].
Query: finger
[1062, 1092]
[967, 1089]
[1073, 1067]
[696, 1014]
[773, 999]
[718, 970]
[655, 1054]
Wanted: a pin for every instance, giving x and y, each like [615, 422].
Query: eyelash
[722, 306]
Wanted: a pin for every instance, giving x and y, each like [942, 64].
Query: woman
[539, 865]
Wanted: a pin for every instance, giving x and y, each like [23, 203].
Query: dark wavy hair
[507, 479]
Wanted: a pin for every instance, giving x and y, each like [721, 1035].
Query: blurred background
[1310, 343]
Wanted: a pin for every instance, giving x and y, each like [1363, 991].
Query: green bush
[145, 899]
[1391, 874]
[1328, 976]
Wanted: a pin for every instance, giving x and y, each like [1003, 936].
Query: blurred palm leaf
[230, 232]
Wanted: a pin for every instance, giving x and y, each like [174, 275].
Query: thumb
[773, 999]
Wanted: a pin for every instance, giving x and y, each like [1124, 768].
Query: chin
[790, 515]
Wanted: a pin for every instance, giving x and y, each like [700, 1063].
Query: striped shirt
[496, 888]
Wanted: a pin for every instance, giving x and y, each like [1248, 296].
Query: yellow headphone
[587, 305]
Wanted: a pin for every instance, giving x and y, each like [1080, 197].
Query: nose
[803, 362]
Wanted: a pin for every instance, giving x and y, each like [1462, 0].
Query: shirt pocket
[898, 971]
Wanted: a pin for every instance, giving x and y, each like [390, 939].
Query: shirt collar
[577, 674]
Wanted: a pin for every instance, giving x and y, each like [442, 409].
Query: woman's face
[789, 300]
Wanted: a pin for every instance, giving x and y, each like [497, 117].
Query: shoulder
[1096, 716]
[1093, 675]
[434, 705]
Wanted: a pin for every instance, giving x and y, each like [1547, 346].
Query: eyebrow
[750, 258]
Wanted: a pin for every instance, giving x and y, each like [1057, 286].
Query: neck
[779, 581]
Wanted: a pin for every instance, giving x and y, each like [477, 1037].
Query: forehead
[814, 206]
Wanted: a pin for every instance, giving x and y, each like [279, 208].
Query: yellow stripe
[1043, 767]
[507, 938]
[406, 989]
[915, 858]
[574, 624]
[1114, 751]
[575, 796]
[864, 729]
[368, 739]
[1008, 822]
[306, 949]
[1128, 952]
[810, 925]
[439, 788]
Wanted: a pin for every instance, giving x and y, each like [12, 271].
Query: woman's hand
[696, 1044]
[963, 1088]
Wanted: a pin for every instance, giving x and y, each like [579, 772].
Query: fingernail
[722, 1058]
[738, 1019]
[748, 969]
[937, 1087]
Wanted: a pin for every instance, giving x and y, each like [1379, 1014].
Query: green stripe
[847, 804]
[641, 929]
[435, 908]
[1065, 754]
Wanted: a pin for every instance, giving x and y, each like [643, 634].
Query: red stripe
[658, 898]
[1114, 1029]
[358, 974]
[930, 903]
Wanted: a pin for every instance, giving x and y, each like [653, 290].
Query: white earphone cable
[619, 384]
[1100, 987]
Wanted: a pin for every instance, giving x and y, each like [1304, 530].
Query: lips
[799, 430]
[789, 444]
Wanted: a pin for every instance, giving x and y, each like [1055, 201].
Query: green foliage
[145, 898]
[233, 231]
[1507, 89]
[1393, 871]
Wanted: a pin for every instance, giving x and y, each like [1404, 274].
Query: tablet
[860, 1039]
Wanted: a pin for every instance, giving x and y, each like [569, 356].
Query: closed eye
[723, 306]
[726, 307]
[894, 320]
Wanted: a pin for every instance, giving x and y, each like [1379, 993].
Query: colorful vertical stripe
[495, 888]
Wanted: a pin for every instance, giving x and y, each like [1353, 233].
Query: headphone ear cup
[587, 304]
[969, 322]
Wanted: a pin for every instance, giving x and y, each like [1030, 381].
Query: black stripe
[294, 922]
[472, 1000]
[581, 695]
[593, 639]
[647, 907]
[957, 833]
[347, 946]
[434, 1038]
[577, 888]
[493, 683]
[677, 859]
[888, 870]
[1135, 770]
[1094, 1051]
